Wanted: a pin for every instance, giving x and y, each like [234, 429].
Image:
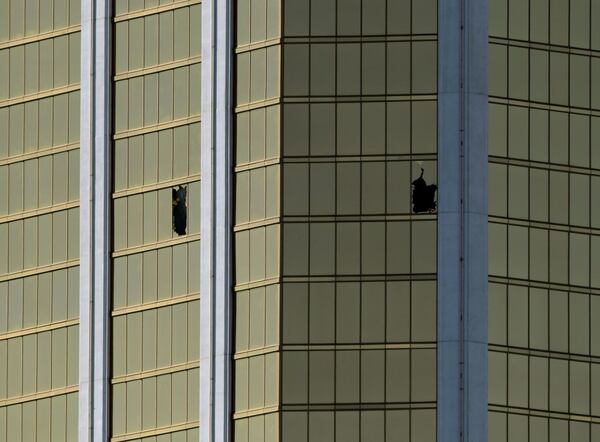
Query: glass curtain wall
[335, 290]
[544, 220]
[39, 219]
[156, 221]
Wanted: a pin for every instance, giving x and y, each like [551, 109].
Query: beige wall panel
[163, 399]
[14, 422]
[149, 327]
[45, 124]
[4, 74]
[16, 118]
[3, 371]
[134, 343]
[46, 64]
[165, 48]
[44, 298]
[164, 339]
[44, 353]
[164, 277]
[59, 358]
[15, 367]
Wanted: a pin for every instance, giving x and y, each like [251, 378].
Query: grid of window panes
[156, 283]
[335, 277]
[544, 225]
[39, 219]
[257, 217]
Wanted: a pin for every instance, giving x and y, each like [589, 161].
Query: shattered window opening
[423, 195]
[180, 210]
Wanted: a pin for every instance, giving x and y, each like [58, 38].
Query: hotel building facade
[211, 228]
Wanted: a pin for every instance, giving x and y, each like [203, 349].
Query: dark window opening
[423, 196]
[180, 210]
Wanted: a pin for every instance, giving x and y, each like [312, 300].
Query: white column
[462, 221]
[95, 221]
[216, 230]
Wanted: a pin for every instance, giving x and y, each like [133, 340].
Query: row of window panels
[51, 419]
[342, 377]
[40, 66]
[342, 129]
[39, 124]
[327, 249]
[541, 319]
[256, 382]
[158, 39]
[257, 194]
[258, 75]
[39, 300]
[352, 188]
[156, 275]
[191, 435]
[352, 248]
[394, 68]
[548, 384]
[543, 255]
[353, 376]
[360, 128]
[558, 22]
[257, 254]
[41, 182]
[544, 136]
[26, 18]
[542, 195]
[340, 426]
[156, 338]
[544, 76]
[337, 313]
[155, 402]
[356, 17]
[156, 157]
[148, 217]
[39, 241]
[256, 318]
[257, 134]
[129, 6]
[157, 98]
[39, 362]
[260, 428]
[257, 21]
[354, 312]
[522, 428]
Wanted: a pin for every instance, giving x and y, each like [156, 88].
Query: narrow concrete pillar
[215, 253]
[95, 220]
[462, 221]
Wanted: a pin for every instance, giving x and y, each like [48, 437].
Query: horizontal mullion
[158, 68]
[39, 153]
[39, 329]
[39, 37]
[39, 270]
[38, 212]
[156, 245]
[156, 127]
[39, 95]
[155, 10]
[155, 372]
[157, 186]
[40, 395]
[156, 304]
[155, 432]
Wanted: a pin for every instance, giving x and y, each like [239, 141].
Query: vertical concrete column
[95, 231]
[215, 253]
[462, 221]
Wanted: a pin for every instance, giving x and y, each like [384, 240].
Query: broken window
[423, 195]
[179, 210]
